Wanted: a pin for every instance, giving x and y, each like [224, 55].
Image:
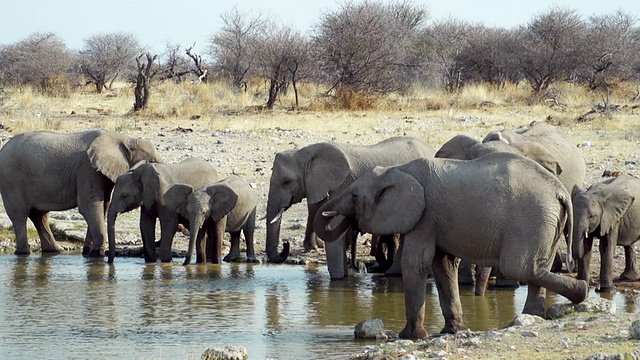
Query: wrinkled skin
[145, 186]
[607, 211]
[542, 143]
[43, 171]
[440, 205]
[228, 205]
[318, 172]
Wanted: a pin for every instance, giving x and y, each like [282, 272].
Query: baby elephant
[228, 205]
[607, 210]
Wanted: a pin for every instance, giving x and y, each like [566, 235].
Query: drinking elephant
[320, 171]
[543, 143]
[229, 204]
[144, 186]
[608, 211]
[42, 171]
[446, 210]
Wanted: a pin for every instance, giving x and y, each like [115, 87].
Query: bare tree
[199, 68]
[364, 46]
[40, 60]
[146, 72]
[550, 47]
[174, 65]
[105, 56]
[234, 46]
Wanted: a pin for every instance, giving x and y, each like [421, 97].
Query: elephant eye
[287, 182]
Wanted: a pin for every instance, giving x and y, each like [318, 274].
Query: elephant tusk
[330, 213]
[586, 234]
[277, 217]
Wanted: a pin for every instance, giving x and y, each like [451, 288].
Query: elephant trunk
[111, 234]
[195, 224]
[274, 219]
[329, 225]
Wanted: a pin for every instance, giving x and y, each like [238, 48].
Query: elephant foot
[157, 244]
[376, 269]
[606, 289]
[630, 275]
[536, 307]
[166, 260]
[187, 261]
[453, 327]
[86, 251]
[252, 259]
[231, 258]
[419, 333]
[96, 253]
[22, 252]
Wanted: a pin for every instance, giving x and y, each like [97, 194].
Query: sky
[185, 22]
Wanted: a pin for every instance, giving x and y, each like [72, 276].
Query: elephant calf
[608, 211]
[144, 186]
[228, 205]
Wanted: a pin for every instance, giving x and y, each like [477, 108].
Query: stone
[526, 320]
[634, 330]
[226, 353]
[591, 305]
[370, 329]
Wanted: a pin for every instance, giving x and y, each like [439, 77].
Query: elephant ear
[176, 198]
[495, 136]
[109, 155]
[326, 168]
[616, 203]
[148, 180]
[539, 154]
[399, 203]
[223, 200]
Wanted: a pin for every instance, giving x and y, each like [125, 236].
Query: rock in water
[226, 353]
[370, 329]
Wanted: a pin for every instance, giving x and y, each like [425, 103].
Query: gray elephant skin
[320, 171]
[42, 171]
[144, 186]
[228, 205]
[543, 143]
[445, 210]
[607, 211]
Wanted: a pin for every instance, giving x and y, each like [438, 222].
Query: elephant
[446, 211]
[608, 211]
[229, 203]
[144, 186]
[543, 143]
[322, 170]
[43, 171]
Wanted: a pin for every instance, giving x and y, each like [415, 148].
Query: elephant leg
[375, 242]
[47, 241]
[351, 239]
[168, 229]
[248, 231]
[465, 273]
[630, 264]
[234, 253]
[481, 279]
[201, 243]
[311, 240]
[607, 250]
[396, 244]
[584, 263]
[148, 233]
[214, 242]
[93, 214]
[445, 273]
[416, 263]
[535, 303]
[382, 264]
[337, 258]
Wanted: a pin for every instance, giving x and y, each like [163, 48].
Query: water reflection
[70, 307]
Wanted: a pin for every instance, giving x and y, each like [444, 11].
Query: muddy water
[61, 307]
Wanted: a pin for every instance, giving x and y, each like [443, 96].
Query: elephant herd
[506, 201]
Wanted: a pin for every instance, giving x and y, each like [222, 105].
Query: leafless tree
[363, 46]
[146, 72]
[105, 56]
[174, 65]
[611, 46]
[199, 67]
[39, 60]
[234, 46]
[550, 47]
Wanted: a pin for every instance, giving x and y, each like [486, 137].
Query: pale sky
[184, 22]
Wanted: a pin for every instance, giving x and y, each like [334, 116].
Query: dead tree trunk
[200, 71]
[143, 81]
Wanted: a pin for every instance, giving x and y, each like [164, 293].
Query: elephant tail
[567, 206]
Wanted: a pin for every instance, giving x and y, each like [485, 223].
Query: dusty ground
[246, 144]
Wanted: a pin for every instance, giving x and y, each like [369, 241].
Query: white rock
[370, 329]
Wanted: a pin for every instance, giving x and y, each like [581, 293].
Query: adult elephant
[144, 186]
[320, 171]
[446, 210]
[543, 143]
[42, 171]
[229, 204]
[608, 211]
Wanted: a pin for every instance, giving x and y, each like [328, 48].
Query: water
[68, 307]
